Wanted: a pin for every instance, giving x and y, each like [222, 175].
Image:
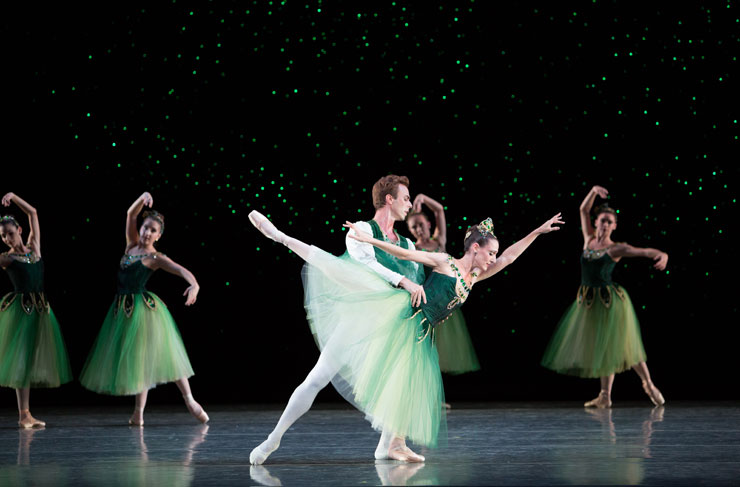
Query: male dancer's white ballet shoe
[265, 226]
[260, 474]
[196, 409]
[602, 401]
[653, 393]
[137, 419]
[261, 452]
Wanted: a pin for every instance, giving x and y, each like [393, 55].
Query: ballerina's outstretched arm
[512, 252]
[427, 258]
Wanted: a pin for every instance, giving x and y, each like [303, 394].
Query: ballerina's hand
[192, 294]
[358, 234]
[661, 261]
[418, 201]
[548, 226]
[600, 191]
[7, 199]
[147, 199]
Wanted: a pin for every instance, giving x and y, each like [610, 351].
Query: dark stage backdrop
[511, 111]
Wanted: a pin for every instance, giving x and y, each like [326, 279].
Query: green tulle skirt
[137, 348]
[32, 351]
[386, 363]
[598, 335]
[455, 348]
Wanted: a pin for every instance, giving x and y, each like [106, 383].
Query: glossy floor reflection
[489, 444]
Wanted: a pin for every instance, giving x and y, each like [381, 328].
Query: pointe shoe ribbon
[29, 421]
[602, 401]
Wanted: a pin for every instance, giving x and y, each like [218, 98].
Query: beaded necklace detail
[129, 259]
[591, 254]
[462, 294]
[27, 258]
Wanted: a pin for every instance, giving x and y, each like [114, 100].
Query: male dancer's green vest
[411, 270]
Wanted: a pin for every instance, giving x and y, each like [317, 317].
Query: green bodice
[411, 270]
[596, 268]
[133, 275]
[26, 275]
[442, 297]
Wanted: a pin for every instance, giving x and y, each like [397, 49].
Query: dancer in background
[455, 348]
[375, 347]
[599, 335]
[139, 345]
[32, 351]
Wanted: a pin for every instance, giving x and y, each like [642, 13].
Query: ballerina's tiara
[485, 228]
[8, 218]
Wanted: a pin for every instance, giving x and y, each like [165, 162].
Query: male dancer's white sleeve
[365, 253]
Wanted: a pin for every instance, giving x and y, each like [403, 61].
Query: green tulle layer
[135, 352]
[596, 337]
[369, 332]
[455, 348]
[32, 351]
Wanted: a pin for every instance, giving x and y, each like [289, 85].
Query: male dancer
[392, 203]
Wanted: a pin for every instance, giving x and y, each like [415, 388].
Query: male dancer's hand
[416, 291]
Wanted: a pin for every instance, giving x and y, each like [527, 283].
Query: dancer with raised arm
[599, 334]
[455, 348]
[139, 345]
[378, 350]
[32, 351]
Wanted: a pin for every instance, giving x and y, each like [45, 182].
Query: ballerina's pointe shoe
[137, 419]
[602, 401]
[265, 226]
[261, 452]
[653, 393]
[196, 409]
[402, 453]
[27, 421]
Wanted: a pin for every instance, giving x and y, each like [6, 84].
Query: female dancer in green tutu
[455, 348]
[376, 349]
[599, 334]
[32, 352]
[139, 345]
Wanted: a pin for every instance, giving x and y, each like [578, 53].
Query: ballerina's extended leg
[647, 384]
[269, 230]
[300, 402]
[195, 409]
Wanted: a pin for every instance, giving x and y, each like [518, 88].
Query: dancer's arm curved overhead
[585, 211]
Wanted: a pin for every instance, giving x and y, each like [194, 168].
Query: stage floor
[684, 443]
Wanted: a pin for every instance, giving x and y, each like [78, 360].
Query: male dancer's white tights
[319, 377]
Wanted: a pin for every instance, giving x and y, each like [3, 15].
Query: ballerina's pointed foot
[653, 393]
[27, 421]
[265, 226]
[264, 450]
[137, 419]
[402, 453]
[196, 409]
[602, 401]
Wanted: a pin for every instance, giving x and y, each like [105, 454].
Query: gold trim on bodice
[126, 302]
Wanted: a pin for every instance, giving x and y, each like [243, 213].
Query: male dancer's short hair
[387, 185]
